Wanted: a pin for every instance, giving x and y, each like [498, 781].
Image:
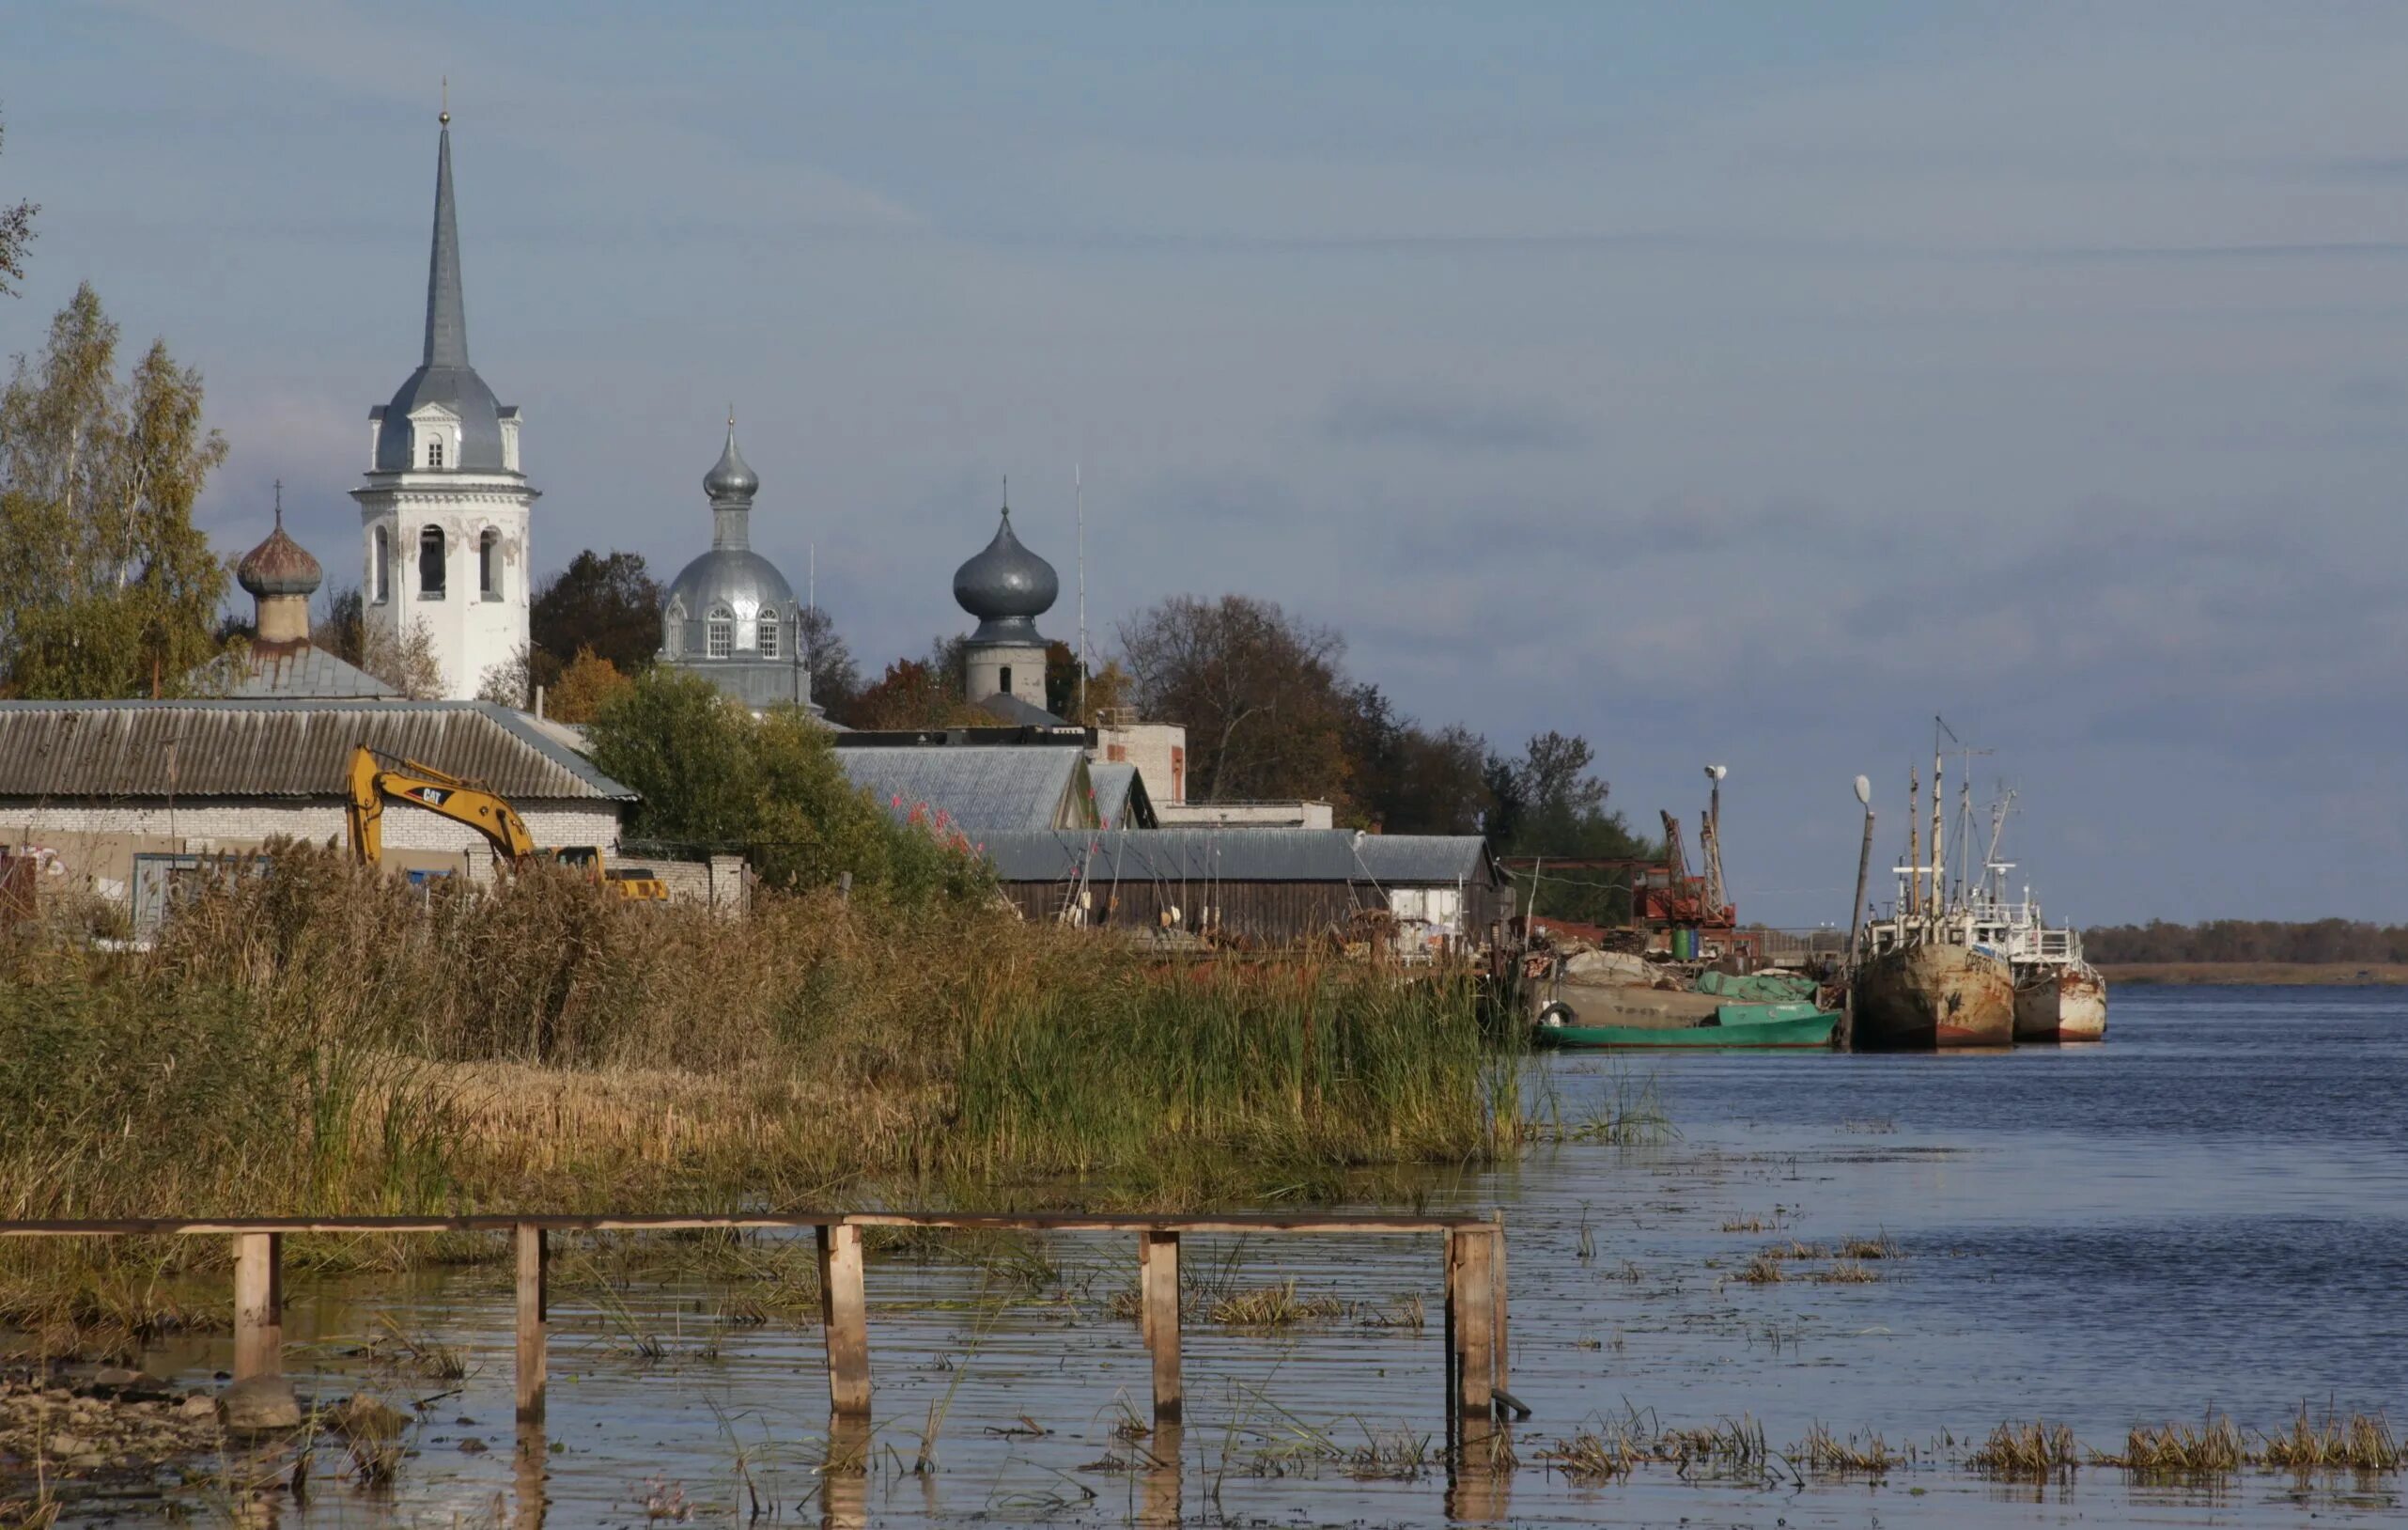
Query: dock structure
[1474, 1363]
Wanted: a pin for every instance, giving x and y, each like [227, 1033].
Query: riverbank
[2258, 974]
[325, 1040]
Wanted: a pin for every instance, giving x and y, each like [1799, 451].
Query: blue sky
[1739, 382]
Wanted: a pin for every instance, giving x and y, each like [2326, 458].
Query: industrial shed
[114, 797]
[1264, 887]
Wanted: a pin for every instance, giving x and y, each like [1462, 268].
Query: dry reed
[2028, 1452]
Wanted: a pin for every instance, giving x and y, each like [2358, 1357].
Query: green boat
[1795, 1024]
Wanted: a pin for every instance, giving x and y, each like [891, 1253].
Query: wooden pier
[1474, 1363]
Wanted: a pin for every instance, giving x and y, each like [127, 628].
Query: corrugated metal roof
[291, 672]
[980, 787]
[1120, 797]
[1334, 855]
[74, 750]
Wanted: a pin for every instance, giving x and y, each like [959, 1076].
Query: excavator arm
[375, 778]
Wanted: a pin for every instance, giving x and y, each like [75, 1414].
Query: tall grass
[321, 1040]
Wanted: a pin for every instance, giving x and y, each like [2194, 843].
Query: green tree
[835, 681]
[1410, 780]
[16, 232]
[713, 777]
[1550, 804]
[606, 602]
[106, 587]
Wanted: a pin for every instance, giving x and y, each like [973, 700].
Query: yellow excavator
[377, 777]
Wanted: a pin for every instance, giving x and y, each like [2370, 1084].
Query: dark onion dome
[278, 565]
[731, 478]
[1006, 587]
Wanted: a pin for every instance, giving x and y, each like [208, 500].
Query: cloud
[1449, 419]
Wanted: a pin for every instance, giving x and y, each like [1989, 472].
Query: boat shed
[114, 798]
[1427, 894]
[979, 789]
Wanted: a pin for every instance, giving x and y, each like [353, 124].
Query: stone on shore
[259, 1404]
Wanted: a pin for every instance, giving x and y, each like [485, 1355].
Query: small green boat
[1795, 1024]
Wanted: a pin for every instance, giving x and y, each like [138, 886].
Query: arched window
[1003, 679]
[769, 633]
[722, 632]
[435, 452]
[488, 564]
[430, 564]
[381, 566]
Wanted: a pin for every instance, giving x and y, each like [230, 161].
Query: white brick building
[92, 791]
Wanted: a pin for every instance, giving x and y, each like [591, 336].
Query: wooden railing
[1476, 1359]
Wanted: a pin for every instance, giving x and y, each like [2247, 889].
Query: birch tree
[106, 587]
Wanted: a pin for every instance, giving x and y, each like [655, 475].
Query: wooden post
[534, 1294]
[1847, 1040]
[1501, 1308]
[258, 1304]
[1453, 1344]
[1157, 1276]
[1472, 1327]
[844, 1319]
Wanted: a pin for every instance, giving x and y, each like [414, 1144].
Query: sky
[1743, 384]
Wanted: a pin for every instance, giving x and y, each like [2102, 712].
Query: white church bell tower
[444, 512]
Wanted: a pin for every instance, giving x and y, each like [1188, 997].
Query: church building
[1006, 587]
[445, 510]
[730, 616]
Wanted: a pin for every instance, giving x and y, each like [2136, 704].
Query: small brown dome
[278, 565]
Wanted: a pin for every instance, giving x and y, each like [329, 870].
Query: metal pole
[1855, 924]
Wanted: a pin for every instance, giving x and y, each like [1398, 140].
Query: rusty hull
[2063, 1004]
[1934, 995]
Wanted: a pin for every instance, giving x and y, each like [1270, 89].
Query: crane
[375, 778]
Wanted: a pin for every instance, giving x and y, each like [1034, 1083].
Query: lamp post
[1856, 918]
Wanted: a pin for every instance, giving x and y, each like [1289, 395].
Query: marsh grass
[1846, 1273]
[1275, 1306]
[1824, 1452]
[322, 1041]
[2360, 1442]
[2032, 1452]
[2181, 1453]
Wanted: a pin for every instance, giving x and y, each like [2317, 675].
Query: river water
[2208, 1213]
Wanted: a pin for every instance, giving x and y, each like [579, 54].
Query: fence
[1475, 1362]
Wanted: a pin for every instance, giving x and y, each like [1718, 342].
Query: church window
[1003, 679]
[381, 567]
[768, 635]
[430, 564]
[488, 564]
[435, 452]
[722, 632]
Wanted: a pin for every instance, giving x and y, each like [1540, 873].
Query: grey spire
[731, 485]
[447, 313]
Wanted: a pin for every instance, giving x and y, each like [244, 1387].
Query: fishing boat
[2059, 996]
[1935, 974]
[1933, 982]
[1789, 1025]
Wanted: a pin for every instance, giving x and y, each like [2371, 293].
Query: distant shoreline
[2259, 974]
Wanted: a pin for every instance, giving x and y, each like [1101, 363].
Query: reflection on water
[2206, 1212]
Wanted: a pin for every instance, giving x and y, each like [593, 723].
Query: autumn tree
[1408, 779]
[106, 587]
[16, 232]
[1260, 693]
[1107, 688]
[590, 683]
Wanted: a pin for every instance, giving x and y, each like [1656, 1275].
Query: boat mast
[1914, 843]
[1939, 857]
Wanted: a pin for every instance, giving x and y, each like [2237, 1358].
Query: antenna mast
[1079, 493]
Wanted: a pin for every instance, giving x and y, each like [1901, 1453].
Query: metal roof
[980, 787]
[1006, 587]
[1330, 855]
[73, 751]
[1010, 708]
[1120, 797]
[293, 672]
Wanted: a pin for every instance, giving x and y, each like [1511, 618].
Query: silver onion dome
[731, 478]
[1006, 587]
